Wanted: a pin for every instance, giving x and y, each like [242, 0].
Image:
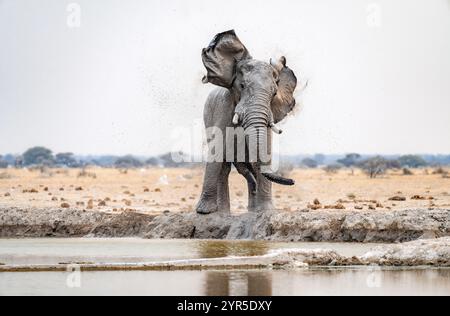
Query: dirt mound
[324, 225]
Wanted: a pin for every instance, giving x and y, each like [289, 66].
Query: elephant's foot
[205, 207]
[262, 207]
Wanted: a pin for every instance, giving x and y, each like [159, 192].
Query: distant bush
[310, 163]
[412, 161]
[333, 168]
[128, 162]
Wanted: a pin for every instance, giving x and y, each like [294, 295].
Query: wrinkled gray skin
[255, 95]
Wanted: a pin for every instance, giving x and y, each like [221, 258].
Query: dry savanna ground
[177, 190]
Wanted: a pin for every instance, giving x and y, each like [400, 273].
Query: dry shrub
[398, 198]
[5, 176]
[441, 171]
[337, 206]
[30, 191]
[316, 205]
[332, 169]
[407, 172]
[63, 172]
[85, 174]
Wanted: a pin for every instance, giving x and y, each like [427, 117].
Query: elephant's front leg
[223, 189]
[263, 200]
[208, 198]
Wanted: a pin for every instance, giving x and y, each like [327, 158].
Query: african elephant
[254, 95]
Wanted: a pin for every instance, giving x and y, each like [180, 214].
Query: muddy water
[54, 251]
[253, 283]
[349, 281]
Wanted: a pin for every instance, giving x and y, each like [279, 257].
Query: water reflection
[360, 281]
[238, 284]
[235, 283]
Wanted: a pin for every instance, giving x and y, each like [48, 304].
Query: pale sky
[378, 71]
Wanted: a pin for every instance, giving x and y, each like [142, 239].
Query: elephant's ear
[220, 58]
[284, 102]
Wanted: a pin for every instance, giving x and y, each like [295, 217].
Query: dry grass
[177, 190]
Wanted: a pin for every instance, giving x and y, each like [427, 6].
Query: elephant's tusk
[275, 129]
[236, 119]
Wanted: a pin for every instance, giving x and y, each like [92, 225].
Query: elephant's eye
[242, 86]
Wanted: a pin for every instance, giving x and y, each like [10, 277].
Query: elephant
[253, 95]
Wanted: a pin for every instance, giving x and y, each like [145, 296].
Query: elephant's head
[263, 94]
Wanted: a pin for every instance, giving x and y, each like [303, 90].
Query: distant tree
[3, 163]
[412, 161]
[375, 166]
[128, 162]
[10, 159]
[38, 156]
[320, 158]
[393, 164]
[350, 160]
[167, 160]
[66, 159]
[18, 163]
[152, 161]
[310, 163]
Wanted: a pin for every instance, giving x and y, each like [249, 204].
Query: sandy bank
[334, 226]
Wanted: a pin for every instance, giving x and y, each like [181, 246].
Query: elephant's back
[219, 108]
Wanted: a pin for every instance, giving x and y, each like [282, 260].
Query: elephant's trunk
[255, 122]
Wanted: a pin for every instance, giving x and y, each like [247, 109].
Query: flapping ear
[284, 101]
[220, 58]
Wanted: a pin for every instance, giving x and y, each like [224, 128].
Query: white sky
[379, 83]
